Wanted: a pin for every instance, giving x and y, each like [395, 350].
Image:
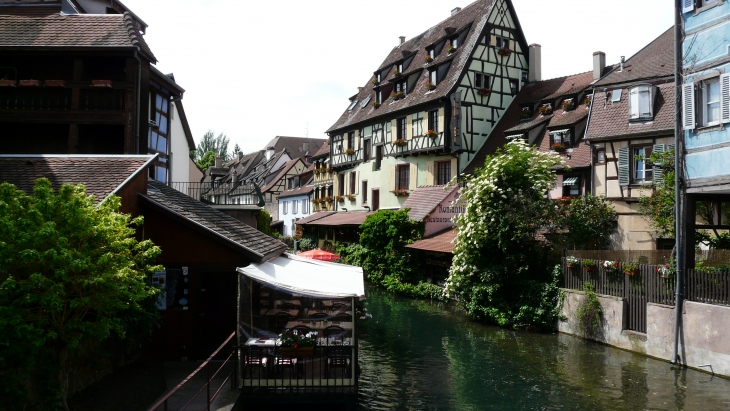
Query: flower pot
[589, 268]
[633, 271]
[297, 352]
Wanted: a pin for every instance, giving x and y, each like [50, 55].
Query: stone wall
[703, 339]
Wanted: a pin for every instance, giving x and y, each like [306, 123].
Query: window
[295, 206]
[432, 53]
[305, 206]
[379, 97]
[353, 181]
[351, 140]
[401, 86]
[455, 42]
[524, 77]
[378, 157]
[710, 97]
[417, 124]
[354, 101]
[571, 186]
[616, 96]
[330, 191]
[378, 77]
[481, 80]
[158, 136]
[432, 77]
[364, 191]
[368, 148]
[403, 177]
[709, 104]
[641, 172]
[399, 67]
[560, 137]
[285, 207]
[401, 128]
[433, 120]
[293, 182]
[514, 86]
[601, 156]
[641, 102]
[501, 42]
[443, 172]
[341, 184]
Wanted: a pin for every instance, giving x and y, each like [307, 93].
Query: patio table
[262, 342]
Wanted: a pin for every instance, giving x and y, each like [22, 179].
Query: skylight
[365, 103]
[352, 105]
[616, 95]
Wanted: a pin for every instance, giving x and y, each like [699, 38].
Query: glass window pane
[162, 124]
[161, 174]
[152, 140]
[158, 102]
[162, 144]
[164, 105]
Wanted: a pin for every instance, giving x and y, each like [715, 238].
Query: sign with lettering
[442, 216]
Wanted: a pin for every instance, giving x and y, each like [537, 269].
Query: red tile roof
[102, 174]
[471, 18]
[424, 199]
[613, 119]
[314, 217]
[654, 61]
[441, 242]
[338, 218]
[296, 192]
[84, 31]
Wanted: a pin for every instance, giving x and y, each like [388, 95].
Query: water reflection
[420, 355]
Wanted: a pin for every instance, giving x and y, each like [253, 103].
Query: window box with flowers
[295, 344]
[375, 104]
[589, 265]
[504, 51]
[572, 262]
[630, 268]
[400, 142]
[430, 86]
[432, 134]
[328, 199]
[567, 105]
[397, 73]
[350, 152]
[587, 102]
[545, 109]
[374, 81]
[483, 91]
[400, 192]
[397, 95]
[350, 197]
[526, 112]
[340, 199]
[609, 266]
[558, 146]
[429, 59]
[451, 49]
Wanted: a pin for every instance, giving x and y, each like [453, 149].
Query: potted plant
[294, 344]
[350, 152]
[430, 86]
[483, 91]
[350, 197]
[558, 146]
[328, 199]
[429, 59]
[397, 95]
[545, 109]
[340, 199]
[397, 73]
[375, 104]
[587, 102]
[400, 192]
[432, 134]
[665, 270]
[589, 265]
[567, 105]
[451, 49]
[571, 261]
[631, 268]
[504, 51]
[400, 142]
[609, 266]
[526, 112]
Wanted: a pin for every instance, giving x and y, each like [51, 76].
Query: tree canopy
[72, 276]
[217, 145]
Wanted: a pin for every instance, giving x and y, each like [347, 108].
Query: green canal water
[422, 355]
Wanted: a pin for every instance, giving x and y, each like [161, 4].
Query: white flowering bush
[499, 270]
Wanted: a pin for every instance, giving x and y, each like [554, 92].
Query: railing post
[207, 386]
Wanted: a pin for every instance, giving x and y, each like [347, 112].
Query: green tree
[217, 144]
[590, 220]
[72, 276]
[236, 150]
[263, 221]
[499, 271]
[207, 161]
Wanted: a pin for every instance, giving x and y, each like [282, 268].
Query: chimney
[218, 162]
[402, 39]
[623, 60]
[599, 64]
[535, 60]
[240, 155]
[269, 153]
[305, 147]
[455, 10]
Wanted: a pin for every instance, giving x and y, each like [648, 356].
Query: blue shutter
[657, 148]
[623, 166]
[688, 106]
[688, 5]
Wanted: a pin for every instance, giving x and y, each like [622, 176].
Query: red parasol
[319, 255]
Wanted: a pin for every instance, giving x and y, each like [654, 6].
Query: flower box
[328, 199]
[429, 59]
[401, 192]
[29, 83]
[400, 143]
[630, 268]
[525, 113]
[374, 82]
[397, 95]
[397, 73]
[430, 86]
[375, 104]
[297, 352]
[432, 134]
[7, 83]
[589, 265]
[609, 266]
[483, 91]
[350, 152]
[340, 199]
[350, 197]
[567, 105]
[451, 49]
[545, 110]
[571, 261]
[587, 102]
[558, 147]
[504, 51]
[101, 83]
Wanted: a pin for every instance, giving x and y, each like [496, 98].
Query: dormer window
[432, 77]
[641, 99]
[400, 87]
[432, 53]
[455, 42]
[399, 67]
[560, 139]
[377, 76]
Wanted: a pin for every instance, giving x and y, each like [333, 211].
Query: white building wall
[287, 214]
[179, 150]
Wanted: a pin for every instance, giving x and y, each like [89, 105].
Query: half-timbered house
[430, 106]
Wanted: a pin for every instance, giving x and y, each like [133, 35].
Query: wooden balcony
[417, 145]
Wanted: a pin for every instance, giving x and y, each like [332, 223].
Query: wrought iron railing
[221, 193]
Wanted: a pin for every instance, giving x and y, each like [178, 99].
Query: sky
[254, 70]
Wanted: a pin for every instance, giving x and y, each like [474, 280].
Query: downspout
[139, 98]
[585, 133]
[679, 235]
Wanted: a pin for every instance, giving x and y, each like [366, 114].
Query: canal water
[422, 355]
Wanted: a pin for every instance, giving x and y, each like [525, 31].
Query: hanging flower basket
[572, 262]
[558, 147]
[609, 266]
[589, 265]
[400, 192]
[432, 134]
[630, 268]
[504, 51]
[429, 59]
[350, 152]
[665, 271]
[483, 91]
[400, 142]
[430, 86]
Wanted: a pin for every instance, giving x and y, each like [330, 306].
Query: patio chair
[254, 358]
[339, 305]
[333, 333]
[338, 357]
[319, 315]
[282, 362]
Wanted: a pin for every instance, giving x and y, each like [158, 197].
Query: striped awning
[514, 136]
[563, 131]
[570, 181]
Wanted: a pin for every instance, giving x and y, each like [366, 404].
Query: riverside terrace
[297, 332]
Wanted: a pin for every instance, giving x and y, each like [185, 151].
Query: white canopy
[312, 278]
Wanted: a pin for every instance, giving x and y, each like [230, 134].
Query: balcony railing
[221, 193]
[60, 98]
[418, 144]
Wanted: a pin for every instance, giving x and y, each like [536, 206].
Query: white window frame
[706, 102]
[432, 77]
[294, 206]
[641, 102]
[285, 207]
[641, 172]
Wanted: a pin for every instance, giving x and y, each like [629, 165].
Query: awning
[570, 181]
[307, 277]
[563, 131]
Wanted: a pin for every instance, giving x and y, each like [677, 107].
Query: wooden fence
[647, 285]
[709, 258]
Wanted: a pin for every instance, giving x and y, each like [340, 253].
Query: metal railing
[163, 402]
[221, 193]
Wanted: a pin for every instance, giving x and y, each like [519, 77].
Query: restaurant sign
[442, 217]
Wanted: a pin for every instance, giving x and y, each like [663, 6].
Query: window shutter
[623, 166]
[688, 5]
[634, 102]
[391, 183]
[409, 127]
[393, 130]
[657, 148]
[413, 177]
[335, 184]
[357, 180]
[725, 98]
[454, 170]
[688, 106]
[429, 173]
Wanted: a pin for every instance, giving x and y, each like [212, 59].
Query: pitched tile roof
[613, 119]
[85, 31]
[102, 174]
[654, 61]
[323, 151]
[280, 174]
[258, 245]
[14, 9]
[424, 199]
[441, 242]
[314, 217]
[338, 219]
[297, 192]
[294, 146]
[472, 18]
